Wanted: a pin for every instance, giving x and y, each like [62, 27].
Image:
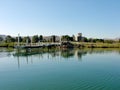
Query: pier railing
[30, 45]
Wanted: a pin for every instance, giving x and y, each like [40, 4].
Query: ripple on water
[87, 85]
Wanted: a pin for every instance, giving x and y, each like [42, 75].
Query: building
[3, 36]
[78, 37]
[52, 38]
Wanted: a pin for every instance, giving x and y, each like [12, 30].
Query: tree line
[39, 38]
[27, 39]
[85, 39]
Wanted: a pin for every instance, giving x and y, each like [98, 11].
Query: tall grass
[96, 45]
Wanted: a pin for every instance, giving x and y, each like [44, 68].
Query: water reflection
[18, 62]
[29, 55]
[68, 53]
[48, 69]
[6, 52]
[58, 54]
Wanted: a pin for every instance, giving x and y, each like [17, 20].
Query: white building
[78, 37]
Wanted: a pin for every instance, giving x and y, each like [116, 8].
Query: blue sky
[93, 18]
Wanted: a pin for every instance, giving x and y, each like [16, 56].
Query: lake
[80, 69]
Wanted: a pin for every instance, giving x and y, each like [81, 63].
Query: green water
[88, 69]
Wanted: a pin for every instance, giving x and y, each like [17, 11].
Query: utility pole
[31, 40]
[60, 39]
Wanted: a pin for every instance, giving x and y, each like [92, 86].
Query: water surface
[86, 69]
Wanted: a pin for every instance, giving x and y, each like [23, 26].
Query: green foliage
[84, 39]
[95, 40]
[41, 38]
[35, 39]
[26, 39]
[9, 39]
[20, 39]
[53, 38]
[67, 54]
[109, 41]
[4, 44]
[96, 45]
[67, 38]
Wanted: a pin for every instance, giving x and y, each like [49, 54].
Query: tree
[67, 38]
[41, 38]
[9, 39]
[90, 40]
[20, 39]
[53, 38]
[84, 39]
[35, 39]
[26, 39]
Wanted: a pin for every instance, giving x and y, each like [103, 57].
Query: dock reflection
[69, 54]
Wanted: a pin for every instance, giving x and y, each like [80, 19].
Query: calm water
[93, 69]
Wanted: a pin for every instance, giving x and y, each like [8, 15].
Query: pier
[63, 44]
[37, 45]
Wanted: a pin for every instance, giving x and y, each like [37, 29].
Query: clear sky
[93, 18]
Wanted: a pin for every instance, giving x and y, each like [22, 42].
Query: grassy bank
[76, 45]
[3, 44]
[95, 45]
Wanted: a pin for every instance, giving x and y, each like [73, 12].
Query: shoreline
[74, 45]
